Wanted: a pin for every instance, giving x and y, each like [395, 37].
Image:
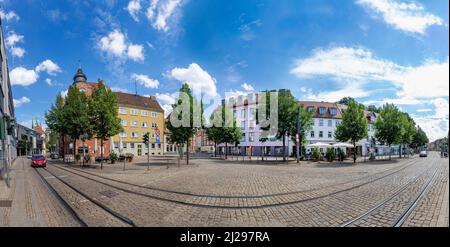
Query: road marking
[49, 177]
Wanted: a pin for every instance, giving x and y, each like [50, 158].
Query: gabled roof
[139, 101]
[327, 105]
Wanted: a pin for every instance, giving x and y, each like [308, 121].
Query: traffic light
[145, 138]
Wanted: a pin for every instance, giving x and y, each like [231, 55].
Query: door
[139, 146]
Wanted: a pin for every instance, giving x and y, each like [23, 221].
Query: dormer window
[333, 111]
[322, 110]
[310, 108]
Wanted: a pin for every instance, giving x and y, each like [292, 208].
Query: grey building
[7, 119]
[29, 141]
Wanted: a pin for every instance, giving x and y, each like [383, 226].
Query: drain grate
[109, 193]
[5, 203]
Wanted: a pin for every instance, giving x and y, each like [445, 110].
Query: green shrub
[77, 157]
[331, 154]
[113, 157]
[316, 155]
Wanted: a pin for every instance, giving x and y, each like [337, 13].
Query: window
[252, 114]
[312, 134]
[243, 125]
[124, 145]
[134, 112]
[243, 137]
[330, 123]
[333, 111]
[242, 114]
[252, 125]
[134, 123]
[144, 113]
[132, 145]
[122, 110]
[116, 145]
[154, 114]
[310, 108]
[320, 134]
[320, 122]
[144, 124]
[251, 137]
[123, 122]
[153, 145]
[330, 134]
[154, 125]
[322, 110]
[234, 114]
[338, 123]
[134, 135]
[123, 134]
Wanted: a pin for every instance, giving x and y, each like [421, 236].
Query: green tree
[306, 123]
[76, 114]
[373, 108]
[52, 141]
[287, 116]
[185, 120]
[420, 138]
[408, 131]
[55, 120]
[347, 100]
[353, 127]
[214, 134]
[388, 126]
[225, 129]
[104, 117]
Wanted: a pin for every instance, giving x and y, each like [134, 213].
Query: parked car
[423, 154]
[54, 156]
[38, 160]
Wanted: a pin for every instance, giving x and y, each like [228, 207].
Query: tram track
[126, 221]
[228, 203]
[359, 220]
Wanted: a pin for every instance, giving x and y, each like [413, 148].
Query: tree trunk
[226, 150]
[64, 149]
[354, 152]
[284, 147]
[101, 154]
[300, 146]
[187, 153]
[215, 149]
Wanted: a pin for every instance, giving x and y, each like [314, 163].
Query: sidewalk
[28, 202]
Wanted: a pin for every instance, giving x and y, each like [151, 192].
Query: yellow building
[139, 115]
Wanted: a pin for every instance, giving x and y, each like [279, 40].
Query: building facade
[8, 131]
[139, 115]
[30, 141]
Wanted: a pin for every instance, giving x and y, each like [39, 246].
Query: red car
[38, 160]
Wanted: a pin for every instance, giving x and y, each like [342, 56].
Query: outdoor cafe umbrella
[319, 145]
[342, 145]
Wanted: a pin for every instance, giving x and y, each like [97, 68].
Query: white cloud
[12, 38]
[17, 52]
[21, 101]
[49, 81]
[23, 77]
[406, 16]
[48, 66]
[332, 96]
[11, 15]
[145, 81]
[118, 89]
[136, 52]
[166, 101]
[198, 79]
[360, 66]
[64, 93]
[247, 32]
[160, 12]
[424, 110]
[134, 7]
[247, 87]
[116, 45]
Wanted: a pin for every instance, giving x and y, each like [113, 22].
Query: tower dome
[79, 76]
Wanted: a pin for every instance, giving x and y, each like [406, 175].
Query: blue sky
[374, 50]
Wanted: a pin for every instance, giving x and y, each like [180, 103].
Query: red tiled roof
[327, 105]
[139, 101]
